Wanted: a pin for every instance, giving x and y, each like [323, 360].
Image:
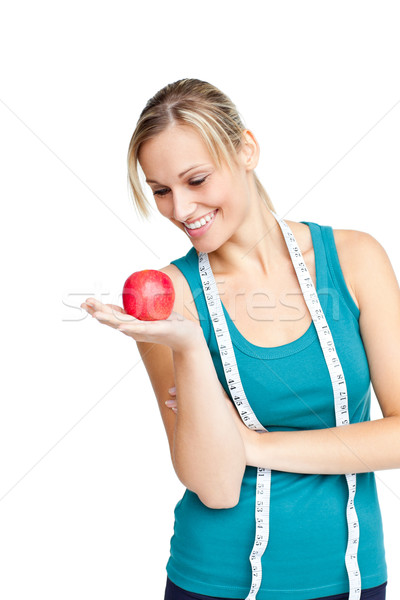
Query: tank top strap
[335, 269]
[321, 262]
[189, 267]
[328, 265]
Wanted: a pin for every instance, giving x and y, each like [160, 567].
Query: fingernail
[170, 403]
[90, 304]
[175, 410]
[172, 390]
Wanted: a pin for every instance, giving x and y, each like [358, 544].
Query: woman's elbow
[219, 502]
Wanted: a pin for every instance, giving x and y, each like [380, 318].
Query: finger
[91, 305]
[117, 308]
[114, 319]
[172, 391]
[96, 305]
[87, 308]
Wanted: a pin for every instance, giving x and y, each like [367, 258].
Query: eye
[165, 190]
[198, 181]
[160, 192]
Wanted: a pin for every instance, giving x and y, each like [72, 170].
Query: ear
[250, 150]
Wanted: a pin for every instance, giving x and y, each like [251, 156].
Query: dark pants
[173, 592]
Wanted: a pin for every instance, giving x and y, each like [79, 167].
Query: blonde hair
[196, 104]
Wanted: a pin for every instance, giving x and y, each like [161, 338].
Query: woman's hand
[249, 436]
[172, 404]
[177, 332]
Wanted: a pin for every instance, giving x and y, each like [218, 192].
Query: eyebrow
[180, 175]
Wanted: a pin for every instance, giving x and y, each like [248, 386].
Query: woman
[281, 501]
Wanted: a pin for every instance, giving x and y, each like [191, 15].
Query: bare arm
[208, 448]
[356, 448]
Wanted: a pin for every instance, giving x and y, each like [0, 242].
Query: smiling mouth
[196, 232]
[199, 223]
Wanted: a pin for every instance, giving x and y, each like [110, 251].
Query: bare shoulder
[184, 301]
[359, 254]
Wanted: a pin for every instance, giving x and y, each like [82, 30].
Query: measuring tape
[263, 483]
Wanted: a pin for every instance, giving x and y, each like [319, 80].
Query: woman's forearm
[209, 455]
[356, 448]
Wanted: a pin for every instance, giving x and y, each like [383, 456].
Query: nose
[183, 207]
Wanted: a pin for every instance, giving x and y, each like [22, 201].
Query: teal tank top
[305, 555]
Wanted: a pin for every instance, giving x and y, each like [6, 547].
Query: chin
[208, 247]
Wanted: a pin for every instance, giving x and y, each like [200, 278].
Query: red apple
[148, 295]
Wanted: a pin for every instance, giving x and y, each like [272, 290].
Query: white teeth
[201, 222]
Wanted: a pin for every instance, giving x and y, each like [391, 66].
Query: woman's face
[187, 186]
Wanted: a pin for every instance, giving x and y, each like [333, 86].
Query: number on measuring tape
[228, 359]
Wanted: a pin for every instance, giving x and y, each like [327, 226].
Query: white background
[84, 462]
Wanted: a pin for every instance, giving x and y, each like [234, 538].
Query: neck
[257, 247]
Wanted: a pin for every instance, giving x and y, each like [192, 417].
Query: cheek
[230, 200]
[162, 206]
[222, 195]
